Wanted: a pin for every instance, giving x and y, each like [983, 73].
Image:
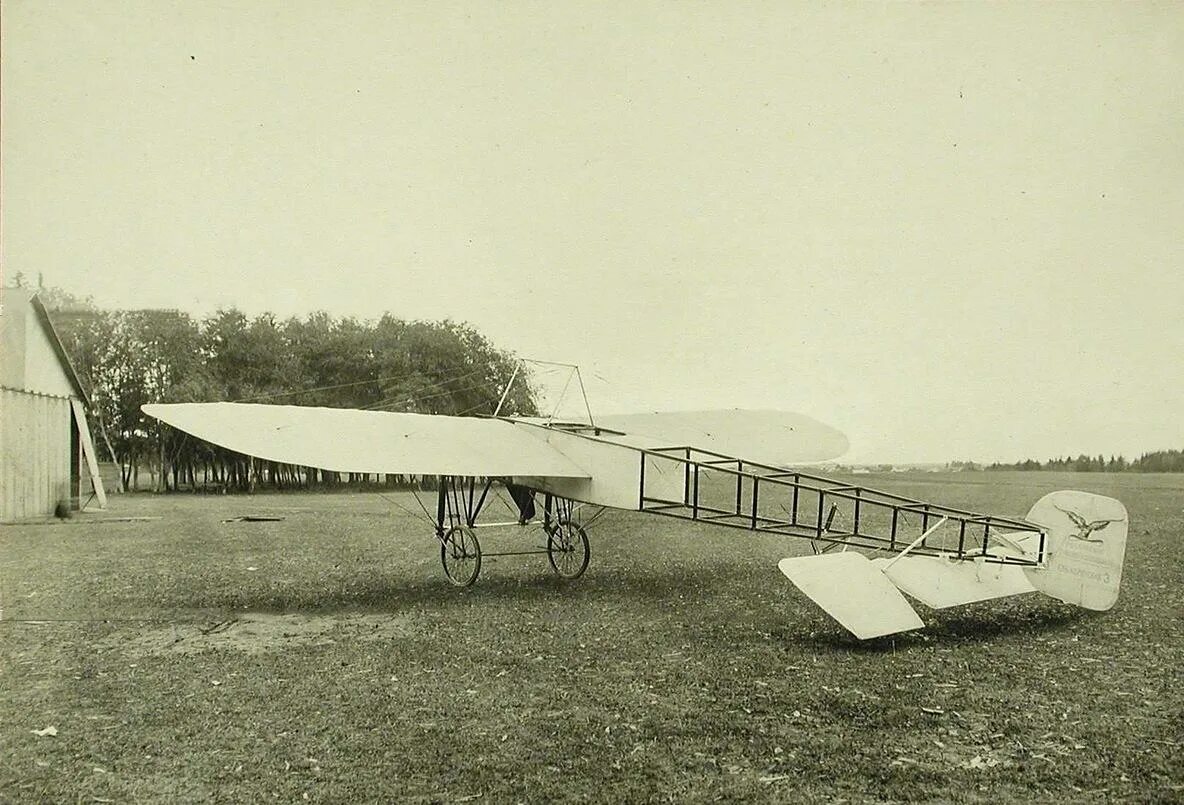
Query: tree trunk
[111, 450]
[162, 484]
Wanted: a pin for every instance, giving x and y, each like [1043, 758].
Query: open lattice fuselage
[632, 472]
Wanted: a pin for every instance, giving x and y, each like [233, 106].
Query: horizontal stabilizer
[940, 583]
[853, 592]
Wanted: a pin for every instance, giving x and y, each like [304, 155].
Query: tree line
[1157, 461]
[126, 358]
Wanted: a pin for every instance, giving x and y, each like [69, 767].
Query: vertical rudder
[1084, 548]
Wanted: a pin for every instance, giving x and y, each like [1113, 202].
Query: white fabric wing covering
[347, 440]
[770, 437]
[941, 583]
[853, 592]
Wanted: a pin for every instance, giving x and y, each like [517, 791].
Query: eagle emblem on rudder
[1084, 527]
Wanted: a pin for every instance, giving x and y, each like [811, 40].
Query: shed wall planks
[35, 453]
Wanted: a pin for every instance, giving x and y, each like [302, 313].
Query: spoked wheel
[567, 549]
[460, 553]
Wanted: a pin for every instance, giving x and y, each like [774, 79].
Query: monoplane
[738, 469]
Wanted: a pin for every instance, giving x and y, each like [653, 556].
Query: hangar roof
[32, 357]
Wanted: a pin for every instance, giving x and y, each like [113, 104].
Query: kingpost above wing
[346, 440]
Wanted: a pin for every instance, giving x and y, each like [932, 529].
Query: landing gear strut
[461, 500]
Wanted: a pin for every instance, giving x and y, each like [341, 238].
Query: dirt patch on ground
[254, 632]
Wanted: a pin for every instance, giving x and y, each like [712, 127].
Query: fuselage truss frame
[811, 504]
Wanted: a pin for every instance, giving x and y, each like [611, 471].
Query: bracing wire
[397, 400]
[322, 388]
[408, 511]
[389, 379]
[472, 408]
[415, 494]
[595, 517]
[446, 380]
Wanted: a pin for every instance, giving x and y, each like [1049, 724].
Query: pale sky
[951, 230]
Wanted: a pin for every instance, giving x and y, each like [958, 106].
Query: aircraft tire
[567, 550]
[460, 554]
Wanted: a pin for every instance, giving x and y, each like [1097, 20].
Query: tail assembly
[1083, 537]
[1085, 544]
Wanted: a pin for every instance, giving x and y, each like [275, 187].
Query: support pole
[587, 406]
[441, 507]
[509, 386]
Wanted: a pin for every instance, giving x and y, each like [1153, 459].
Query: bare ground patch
[258, 632]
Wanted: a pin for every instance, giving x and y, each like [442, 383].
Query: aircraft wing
[770, 437]
[346, 440]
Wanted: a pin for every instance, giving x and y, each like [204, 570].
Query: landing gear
[567, 549]
[460, 553]
[460, 501]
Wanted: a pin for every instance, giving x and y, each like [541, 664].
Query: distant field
[325, 657]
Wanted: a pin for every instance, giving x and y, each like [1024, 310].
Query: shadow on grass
[391, 595]
[984, 624]
[980, 624]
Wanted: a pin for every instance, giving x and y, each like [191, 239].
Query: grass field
[326, 658]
